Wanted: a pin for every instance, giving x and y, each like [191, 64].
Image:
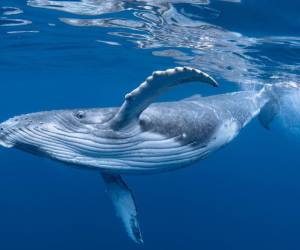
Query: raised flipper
[124, 204]
[155, 85]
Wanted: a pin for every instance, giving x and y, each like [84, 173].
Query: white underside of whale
[143, 152]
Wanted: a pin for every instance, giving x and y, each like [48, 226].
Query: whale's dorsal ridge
[155, 85]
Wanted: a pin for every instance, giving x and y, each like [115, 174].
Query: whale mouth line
[6, 144]
[6, 141]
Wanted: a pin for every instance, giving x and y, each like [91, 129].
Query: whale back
[241, 106]
[189, 122]
[195, 120]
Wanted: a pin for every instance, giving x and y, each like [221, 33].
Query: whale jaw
[6, 145]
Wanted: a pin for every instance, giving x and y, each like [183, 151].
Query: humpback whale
[141, 136]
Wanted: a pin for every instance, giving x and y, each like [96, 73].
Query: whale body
[142, 137]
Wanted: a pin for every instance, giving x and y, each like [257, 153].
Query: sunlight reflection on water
[169, 26]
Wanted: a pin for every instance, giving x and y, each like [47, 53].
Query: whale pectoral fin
[268, 113]
[124, 204]
[155, 85]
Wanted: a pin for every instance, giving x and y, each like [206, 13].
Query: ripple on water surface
[190, 32]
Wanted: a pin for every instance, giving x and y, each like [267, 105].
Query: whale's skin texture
[143, 137]
[167, 135]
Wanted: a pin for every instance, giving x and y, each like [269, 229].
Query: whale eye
[80, 114]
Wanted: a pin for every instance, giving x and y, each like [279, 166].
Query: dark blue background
[246, 196]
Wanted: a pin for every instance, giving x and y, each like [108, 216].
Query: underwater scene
[150, 125]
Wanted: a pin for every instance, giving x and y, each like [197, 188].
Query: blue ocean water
[90, 53]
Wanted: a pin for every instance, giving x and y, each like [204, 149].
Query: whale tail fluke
[274, 93]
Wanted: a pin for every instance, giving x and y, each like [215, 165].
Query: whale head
[55, 133]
